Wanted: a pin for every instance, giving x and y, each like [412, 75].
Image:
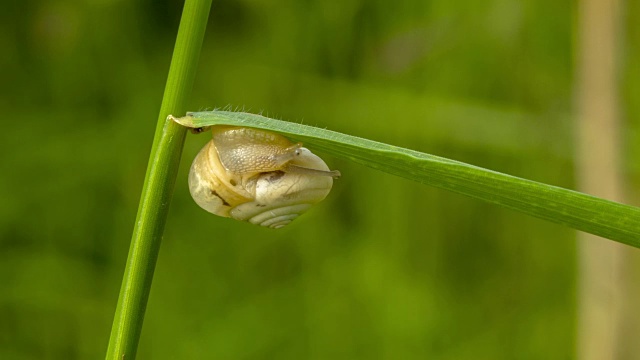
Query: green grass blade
[587, 213]
[158, 186]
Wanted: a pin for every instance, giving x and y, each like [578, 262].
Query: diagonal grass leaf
[612, 220]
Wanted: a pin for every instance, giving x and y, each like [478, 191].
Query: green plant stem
[158, 186]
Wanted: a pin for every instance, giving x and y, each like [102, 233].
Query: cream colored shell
[257, 176]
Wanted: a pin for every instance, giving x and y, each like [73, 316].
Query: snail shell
[257, 176]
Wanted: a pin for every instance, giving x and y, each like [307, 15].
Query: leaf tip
[186, 120]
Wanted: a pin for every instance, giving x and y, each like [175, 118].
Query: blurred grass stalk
[601, 284]
[158, 185]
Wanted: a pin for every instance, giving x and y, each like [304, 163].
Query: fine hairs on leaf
[612, 220]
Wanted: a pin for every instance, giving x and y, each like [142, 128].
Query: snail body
[257, 176]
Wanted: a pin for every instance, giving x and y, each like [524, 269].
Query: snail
[257, 176]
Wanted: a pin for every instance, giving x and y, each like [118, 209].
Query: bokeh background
[384, 268]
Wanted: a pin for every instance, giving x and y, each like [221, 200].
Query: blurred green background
[384, 268]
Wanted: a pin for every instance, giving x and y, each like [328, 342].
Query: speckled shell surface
[271, 198]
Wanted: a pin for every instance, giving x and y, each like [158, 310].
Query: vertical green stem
[158, 186]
